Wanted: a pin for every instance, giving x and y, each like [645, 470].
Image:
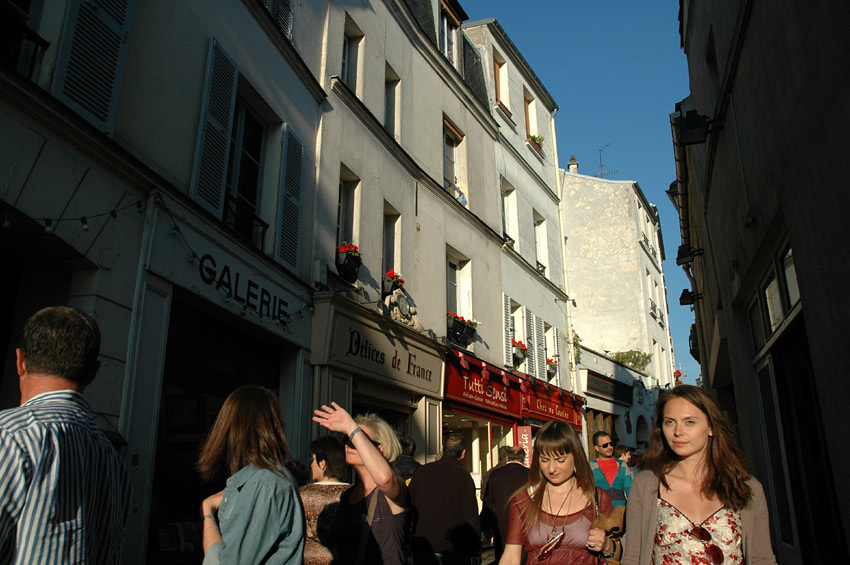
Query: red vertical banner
[523, 437]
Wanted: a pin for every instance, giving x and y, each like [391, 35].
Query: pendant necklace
[553, 538]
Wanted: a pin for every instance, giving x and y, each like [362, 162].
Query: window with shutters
[91, 57]
[232, 147]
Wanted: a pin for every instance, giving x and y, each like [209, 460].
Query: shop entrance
[209, 354]
[483, 440]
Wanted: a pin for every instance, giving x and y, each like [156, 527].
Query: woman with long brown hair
[551, 515]
[695, 502]
[257, 518]
[373, 522]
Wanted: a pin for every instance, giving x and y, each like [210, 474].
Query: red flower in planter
[394, 277]
[452, 316]
[349, 249]
[519, 345]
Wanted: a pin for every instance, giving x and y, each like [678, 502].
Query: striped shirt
[64, 491]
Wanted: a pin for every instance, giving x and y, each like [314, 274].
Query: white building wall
[607, 265]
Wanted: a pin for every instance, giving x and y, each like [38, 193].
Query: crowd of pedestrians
[65, 494]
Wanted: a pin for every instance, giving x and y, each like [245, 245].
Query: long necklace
[555, 516]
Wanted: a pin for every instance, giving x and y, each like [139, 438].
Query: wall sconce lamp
[687, 298]
[686, 254]
[693, 128]
[673, 194]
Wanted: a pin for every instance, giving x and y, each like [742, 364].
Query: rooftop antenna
[602, 172]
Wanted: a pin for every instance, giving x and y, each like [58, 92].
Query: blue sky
[616, 70]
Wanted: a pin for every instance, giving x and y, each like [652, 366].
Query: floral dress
[321, 504]
[675, 544]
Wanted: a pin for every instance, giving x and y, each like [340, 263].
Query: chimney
[572, 166]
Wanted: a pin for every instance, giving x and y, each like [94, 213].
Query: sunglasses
[609, 444]
[348, 442]
[712, 552]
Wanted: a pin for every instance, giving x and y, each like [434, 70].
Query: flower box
[348, 261]
[460, 330]
[391, 281]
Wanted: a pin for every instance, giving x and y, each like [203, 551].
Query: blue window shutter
[282, 14]
[212, 151]
[90, 63]
[288, 240]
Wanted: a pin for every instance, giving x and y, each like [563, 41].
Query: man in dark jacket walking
[503, 483]
[447, 529]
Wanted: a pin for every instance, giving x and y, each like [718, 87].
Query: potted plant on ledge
[520, 351]
[460, 330]
[348, 261]
[536, 141]
[392, 280]
[551, 366]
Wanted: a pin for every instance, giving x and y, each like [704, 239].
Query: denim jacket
[261, 520]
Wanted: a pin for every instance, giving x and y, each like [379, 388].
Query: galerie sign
[374, 351]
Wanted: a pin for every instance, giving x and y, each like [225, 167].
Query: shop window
[209, 354]
[392, 234]
[352, 49]
[345, 212]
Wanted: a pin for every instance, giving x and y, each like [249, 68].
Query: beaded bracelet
[613, 549]
[354, 432]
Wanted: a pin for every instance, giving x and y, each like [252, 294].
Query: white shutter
[530, 365]
[288, 239]
[212, 151]
[509, 334]
[281, 11]
[90, 64]
[558, 357]
[540, 343]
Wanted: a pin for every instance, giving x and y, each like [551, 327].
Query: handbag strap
[364, 534]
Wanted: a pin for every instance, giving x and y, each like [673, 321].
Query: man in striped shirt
[64, 491]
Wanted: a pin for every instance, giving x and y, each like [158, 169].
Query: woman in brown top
[321, 499]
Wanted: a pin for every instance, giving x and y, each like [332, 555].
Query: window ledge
[536, 149]
[503, 110]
